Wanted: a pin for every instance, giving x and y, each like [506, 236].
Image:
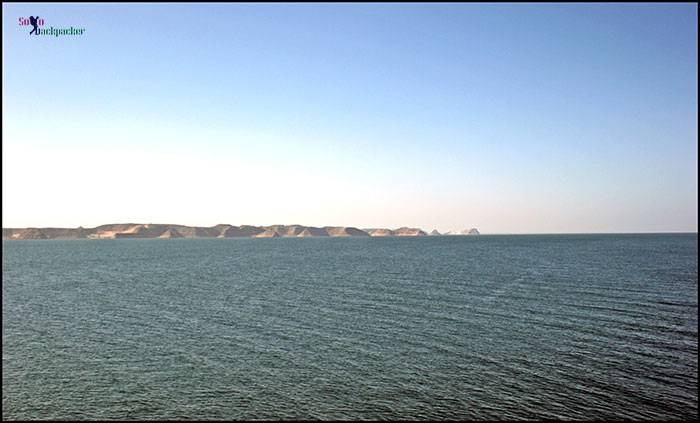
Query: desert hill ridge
[157, 230]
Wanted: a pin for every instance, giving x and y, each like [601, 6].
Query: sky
[519, 118]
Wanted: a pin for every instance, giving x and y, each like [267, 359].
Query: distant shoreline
[167, 231]
[153, 230]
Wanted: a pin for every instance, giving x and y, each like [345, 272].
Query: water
[490, 327]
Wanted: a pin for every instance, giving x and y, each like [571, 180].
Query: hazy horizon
[513, 119]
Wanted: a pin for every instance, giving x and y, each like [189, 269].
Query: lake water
[488, 327]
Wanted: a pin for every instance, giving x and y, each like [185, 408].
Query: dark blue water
[490, 327]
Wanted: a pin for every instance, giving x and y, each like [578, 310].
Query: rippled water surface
[507, 327]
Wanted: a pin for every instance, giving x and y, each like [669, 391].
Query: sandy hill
[232, 232]
[268, 233]
[313, 231]
[285, 230]
[116, 227]
[196, 232]
[250, 230]
[218, 230]
[344, 231]
[170, 233]
[65, 233]
[242, 231]
[305, 233]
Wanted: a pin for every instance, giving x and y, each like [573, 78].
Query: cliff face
[269, 233]
[28, 233]
[150, 230]
[409, 232]
[379, 232]
[170, 233]
[404, 231]
[240, 232]
[472, 231]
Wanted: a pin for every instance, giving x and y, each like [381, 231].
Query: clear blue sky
[511, 118]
